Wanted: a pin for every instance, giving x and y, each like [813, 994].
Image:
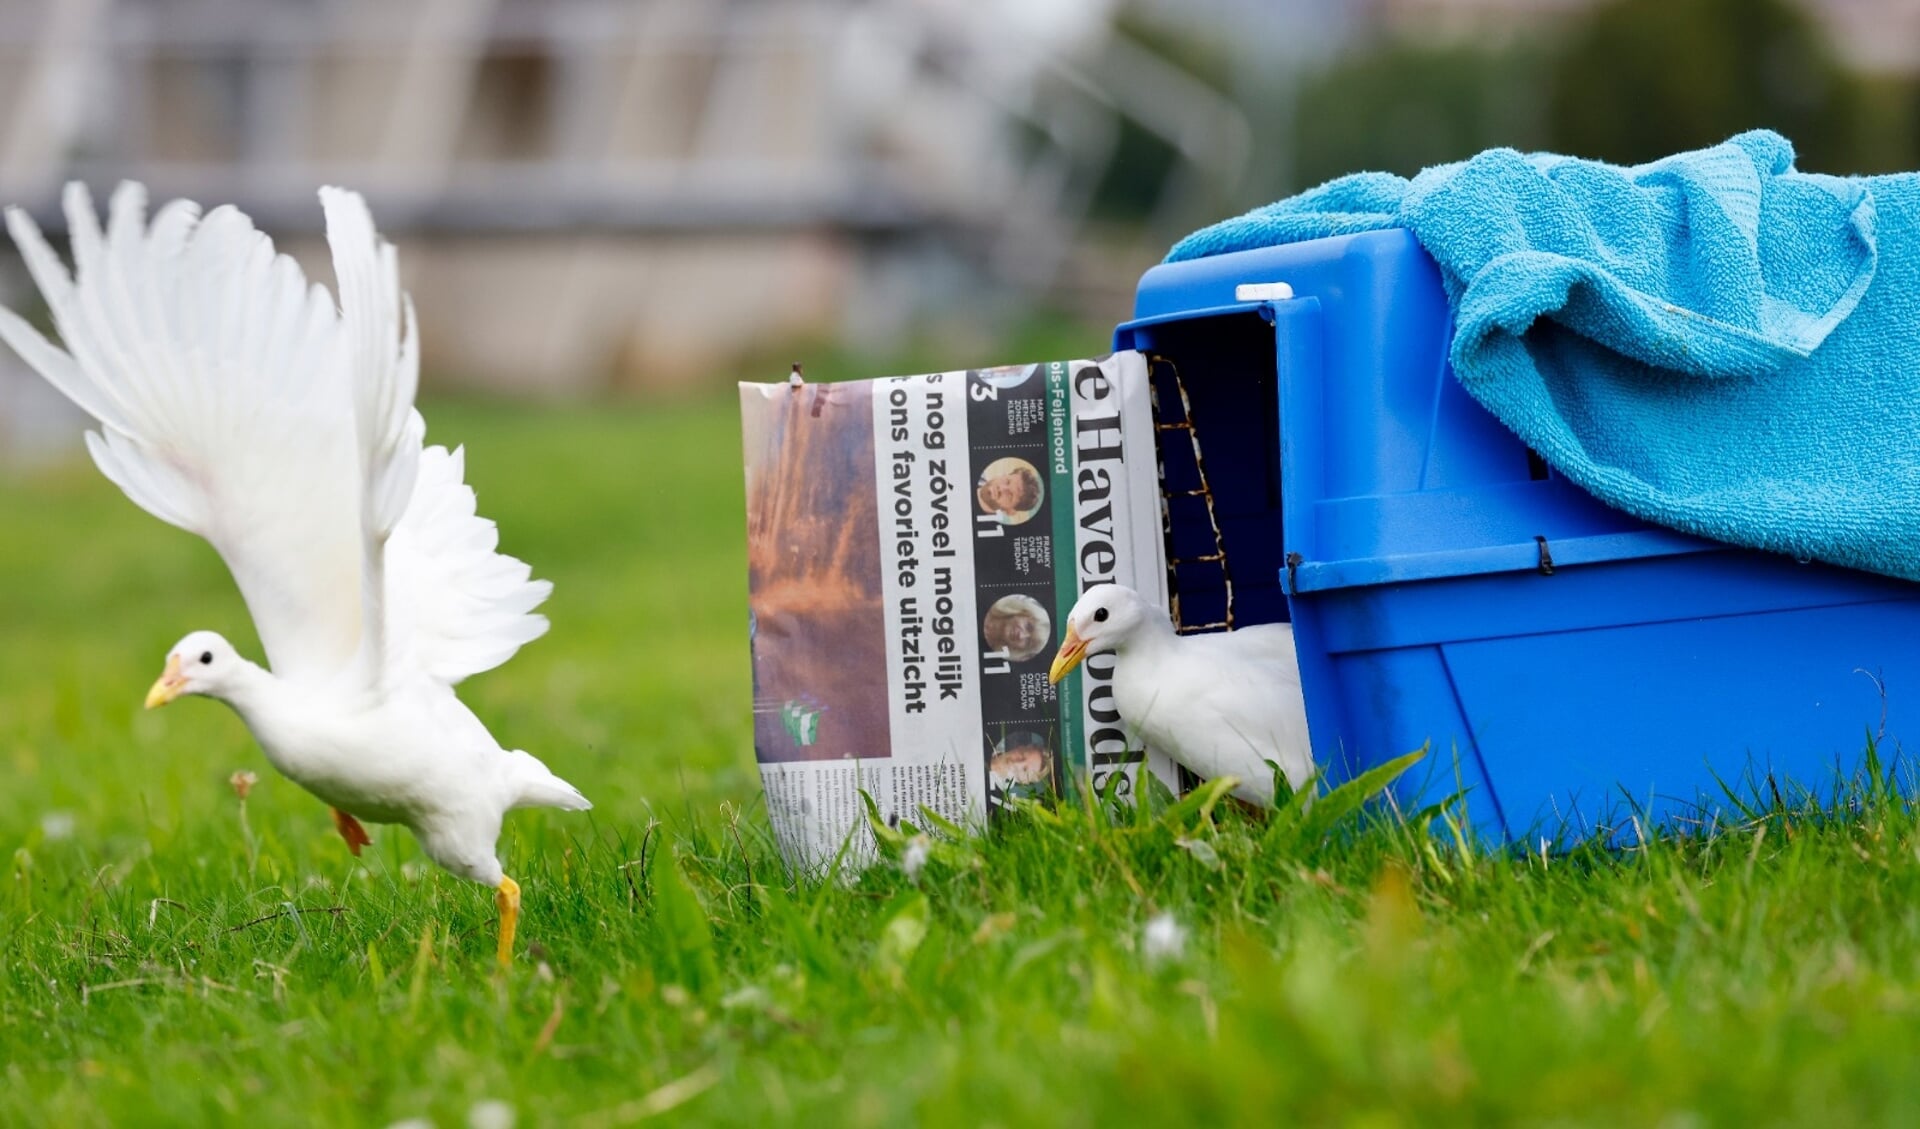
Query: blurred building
[1875, 36]
[1879, 36]
[593, 192]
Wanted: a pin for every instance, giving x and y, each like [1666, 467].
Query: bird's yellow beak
[1072, 650]
[169, 686]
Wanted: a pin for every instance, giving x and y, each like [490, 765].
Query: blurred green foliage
[1404, 106]
[1644, 78]
[1629, 81]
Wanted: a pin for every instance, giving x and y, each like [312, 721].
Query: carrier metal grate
[1164, 373]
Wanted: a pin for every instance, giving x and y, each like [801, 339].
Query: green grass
[156, 970]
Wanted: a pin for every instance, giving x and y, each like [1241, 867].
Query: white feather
[1219, 705]
[220, 385]
[237, 402]
[459, 607]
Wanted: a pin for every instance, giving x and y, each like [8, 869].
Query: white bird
[236, 402]
[1221, 705]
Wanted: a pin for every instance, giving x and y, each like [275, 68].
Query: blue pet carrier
[1569, 664]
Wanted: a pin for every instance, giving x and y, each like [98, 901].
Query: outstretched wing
[236, 402]
[442, 603]
[220, 381]
[457, 607]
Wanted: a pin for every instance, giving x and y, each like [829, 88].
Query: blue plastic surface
[1570, 664]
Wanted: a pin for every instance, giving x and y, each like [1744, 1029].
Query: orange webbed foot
[508, 899]
[350, 830]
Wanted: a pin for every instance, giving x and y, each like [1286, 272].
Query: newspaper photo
[914, 545]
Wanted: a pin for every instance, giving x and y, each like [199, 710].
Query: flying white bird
[1221, 705]
[236, 402]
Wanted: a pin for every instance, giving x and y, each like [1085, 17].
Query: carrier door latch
[1263, 292]
[1546, 556]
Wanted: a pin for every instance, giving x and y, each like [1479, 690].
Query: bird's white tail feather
[538, 787]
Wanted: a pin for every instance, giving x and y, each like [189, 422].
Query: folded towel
[1713, 342]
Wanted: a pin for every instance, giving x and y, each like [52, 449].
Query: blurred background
[651, 197]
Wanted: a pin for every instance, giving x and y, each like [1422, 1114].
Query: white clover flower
[57, 825]
[1163, 940]
[490, 1114]
[914, 858]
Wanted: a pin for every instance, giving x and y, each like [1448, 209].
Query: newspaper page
[914, 545]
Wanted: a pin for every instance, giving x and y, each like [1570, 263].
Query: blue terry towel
[1713, 342]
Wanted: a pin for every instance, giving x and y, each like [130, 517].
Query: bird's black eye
[206, 657]
[1099, 615]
